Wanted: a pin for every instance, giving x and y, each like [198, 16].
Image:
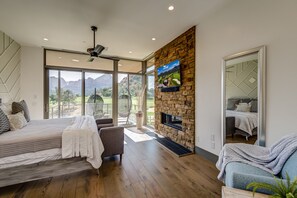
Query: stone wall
[182, 102]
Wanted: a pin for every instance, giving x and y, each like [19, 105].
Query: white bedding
[49, 128]
[245, 121]
[30, 158]
[81, 138]
[37, 128]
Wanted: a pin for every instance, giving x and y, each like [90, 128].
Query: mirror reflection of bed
[241, 99]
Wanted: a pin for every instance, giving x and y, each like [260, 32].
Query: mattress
[30, 158]
[38, 135]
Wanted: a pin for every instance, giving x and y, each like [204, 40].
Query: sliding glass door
[74, 93]
[129, 90]
[70, 94]
[98, 95]
[150, 102]
[102, 88]
[54, 94]
[65, 94]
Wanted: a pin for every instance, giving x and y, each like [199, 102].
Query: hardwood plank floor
[148, 170]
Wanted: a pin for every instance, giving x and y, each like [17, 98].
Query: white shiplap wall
[9, 69]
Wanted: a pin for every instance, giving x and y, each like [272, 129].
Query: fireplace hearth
[172, 121]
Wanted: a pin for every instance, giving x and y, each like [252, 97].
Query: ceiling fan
[96, 50]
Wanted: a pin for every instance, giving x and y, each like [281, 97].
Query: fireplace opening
[172, 121]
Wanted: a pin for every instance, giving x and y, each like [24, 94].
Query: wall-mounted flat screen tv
[169, 75]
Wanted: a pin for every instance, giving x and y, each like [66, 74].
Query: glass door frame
[114, 73]
[145, 78]
[59, 69]
[145, 116]
[143, 84]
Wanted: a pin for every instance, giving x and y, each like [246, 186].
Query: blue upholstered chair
[239, 175]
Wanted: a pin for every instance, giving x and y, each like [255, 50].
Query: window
[75, 60]
[129, 90]
[150, 92]
[98, 95]
[128, 66]
[150, 100]
[75, 86]
[65, 94]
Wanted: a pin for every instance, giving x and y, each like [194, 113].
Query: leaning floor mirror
[243, 97]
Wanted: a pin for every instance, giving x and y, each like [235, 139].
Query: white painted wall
[239, 26]
[32, 80]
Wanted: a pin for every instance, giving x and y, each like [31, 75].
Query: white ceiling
[124, 25]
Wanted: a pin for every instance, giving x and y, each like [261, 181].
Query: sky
[168, 66]
[74, 76]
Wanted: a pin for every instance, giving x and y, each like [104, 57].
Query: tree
[53, 98]
[67, 97]
[106, 92]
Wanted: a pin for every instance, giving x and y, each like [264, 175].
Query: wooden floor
[147, 170]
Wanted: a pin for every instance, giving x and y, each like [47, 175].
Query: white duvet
[81, 138]
[245, 121]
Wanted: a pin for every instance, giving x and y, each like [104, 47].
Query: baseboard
[209, 156]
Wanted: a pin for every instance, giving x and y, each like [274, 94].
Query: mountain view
[104, 81]
[103, 84]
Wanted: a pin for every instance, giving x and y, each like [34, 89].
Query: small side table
[228, 192]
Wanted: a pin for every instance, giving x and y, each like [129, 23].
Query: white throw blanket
[269, 159]
[82, 139]
[245, 121]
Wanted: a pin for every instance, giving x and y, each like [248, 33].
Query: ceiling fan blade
[98, 49]
[109, 57]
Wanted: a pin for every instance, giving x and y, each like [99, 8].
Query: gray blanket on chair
[270, 159]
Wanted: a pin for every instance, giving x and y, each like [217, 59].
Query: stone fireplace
[175, 111]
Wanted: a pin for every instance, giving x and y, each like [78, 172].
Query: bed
[246, 123]
[36, 151]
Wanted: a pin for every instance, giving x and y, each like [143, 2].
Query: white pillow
[17, 121]
[243, 107]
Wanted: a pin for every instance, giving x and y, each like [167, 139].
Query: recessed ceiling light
[153, 39]
[130, 52]
[45, 39]
[75, 60]
[171, 8]
[59, 57]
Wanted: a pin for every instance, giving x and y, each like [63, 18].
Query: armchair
[239, 175]
[104, 122]
[113, 141]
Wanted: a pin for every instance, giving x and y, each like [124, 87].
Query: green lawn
[108, 100]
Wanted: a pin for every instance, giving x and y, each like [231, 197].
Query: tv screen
[169, 75]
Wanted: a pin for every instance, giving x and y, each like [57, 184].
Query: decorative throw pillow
[254, 106]
[243, 107]
[245, 100]
[231, 104]
[6, 108]
[4, 122]
[17, 121]
[19, 107]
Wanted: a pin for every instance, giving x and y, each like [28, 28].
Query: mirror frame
[261, 131]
